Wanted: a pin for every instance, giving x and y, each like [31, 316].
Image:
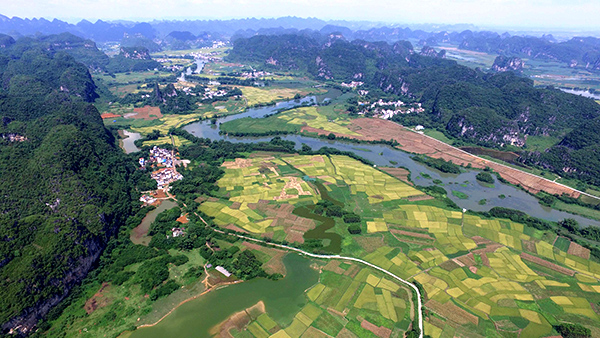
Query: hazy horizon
[507, 14]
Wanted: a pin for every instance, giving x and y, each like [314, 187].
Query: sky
[582, 14]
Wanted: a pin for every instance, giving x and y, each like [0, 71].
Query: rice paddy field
[167, 122]
[264, 95]
[293, 121]
[481, 277]
[348, 301]
[179, 141]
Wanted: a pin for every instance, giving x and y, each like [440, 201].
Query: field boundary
[302, 252]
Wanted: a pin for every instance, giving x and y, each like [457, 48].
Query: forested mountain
[489, 109]
[66, 187]
[578, 51]
[84, 51]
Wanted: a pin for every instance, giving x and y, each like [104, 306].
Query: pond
[128, 143]
[282, 299]
[139, 233]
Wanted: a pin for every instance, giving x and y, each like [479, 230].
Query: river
[283, 299]
[498, 195]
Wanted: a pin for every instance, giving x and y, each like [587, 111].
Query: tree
[568, 330]
[570, 224]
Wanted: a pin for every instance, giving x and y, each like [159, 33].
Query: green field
[165, 123]
[481, 277]
[293, 120]
[264, 95]
[346, 296]
[179, 141]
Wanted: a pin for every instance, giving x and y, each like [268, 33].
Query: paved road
[419, 311]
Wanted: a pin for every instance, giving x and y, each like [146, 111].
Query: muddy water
[140, 232]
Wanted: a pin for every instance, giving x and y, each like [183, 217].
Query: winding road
[419, 311]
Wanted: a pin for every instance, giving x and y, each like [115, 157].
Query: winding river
[500, 194]
[284, 298]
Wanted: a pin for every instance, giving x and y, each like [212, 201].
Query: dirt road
[372, 129]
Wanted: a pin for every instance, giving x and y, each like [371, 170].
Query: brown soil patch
[98, 300]
[379, 331]
[480, 240]
[452, 312]
[370, 244]
[528, 246]
[293, 183]
[466, 260]
[419, 198]
[345, 333]
[399, 173]
[275, 264]
[146, 113]
[473, 269]
[376, 129]
[547, 264]
[412, 234]
[294, 226]
[238, 163]
[109, 116]
[352, 271]
[294, 236]
[449, 265]
[578, 250]
[183, 219]
[489, 248]
[236, 205]
[159, 193]
[334, 266]
[313, 332]
[238, 320]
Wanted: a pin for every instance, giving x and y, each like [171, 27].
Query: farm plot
[165, 123]
[480, 276]
[476, 276]
[250, 185]
[255, 95]
[179, 141]
[310, 116]
[378, 186]
[354, 301]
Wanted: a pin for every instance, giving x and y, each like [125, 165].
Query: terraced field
[481, 277]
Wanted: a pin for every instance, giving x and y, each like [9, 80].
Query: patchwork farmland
[481, 277]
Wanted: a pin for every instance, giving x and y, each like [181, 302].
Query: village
[166, 174]
[387, 109]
